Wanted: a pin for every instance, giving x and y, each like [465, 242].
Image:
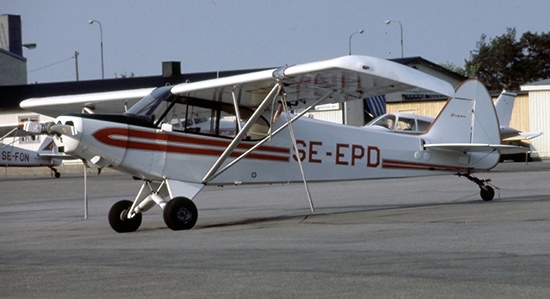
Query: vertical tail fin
[469, 117]
[504, 106]
[48, 146]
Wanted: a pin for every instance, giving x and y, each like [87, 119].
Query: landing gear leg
[180, 213]
[56, 173]
[486, 191]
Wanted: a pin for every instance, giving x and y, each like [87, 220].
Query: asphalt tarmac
[402, 238]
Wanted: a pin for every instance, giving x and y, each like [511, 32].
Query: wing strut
[237, 111]
[255, 116]
[293, 137]
[268, 138]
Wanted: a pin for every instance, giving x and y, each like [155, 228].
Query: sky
[217, 35]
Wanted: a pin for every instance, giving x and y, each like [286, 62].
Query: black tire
[57, 175]
[118, 220]
[487, 193]
[180, 213]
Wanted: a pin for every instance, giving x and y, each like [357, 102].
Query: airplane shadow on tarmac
[371, 212]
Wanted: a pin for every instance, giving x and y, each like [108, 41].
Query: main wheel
[118, 217]
[487, 193]
[180, 213]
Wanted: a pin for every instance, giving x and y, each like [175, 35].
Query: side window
[423, 125]
[210, 118]
[405, 124]
[387, 121]
[30, 138]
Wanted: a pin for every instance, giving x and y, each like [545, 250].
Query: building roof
[14, 55]
[411, 61]
[538, 85]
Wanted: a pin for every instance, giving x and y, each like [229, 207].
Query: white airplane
[417, 124]
[46, 155]
[158, 141]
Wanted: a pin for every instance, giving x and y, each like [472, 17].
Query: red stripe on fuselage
[106, 136]
[394, 164]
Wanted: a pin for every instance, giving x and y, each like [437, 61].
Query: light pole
[101, 36]
[360, 32]
[76, 63]
[400, 26]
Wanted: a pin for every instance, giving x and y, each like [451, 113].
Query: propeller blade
[61, 130]
[33, 127]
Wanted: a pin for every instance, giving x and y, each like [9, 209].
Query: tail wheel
[180, 213]
[487, 192]
[118, 217]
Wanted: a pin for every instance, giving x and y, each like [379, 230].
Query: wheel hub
[183, 215]
[124, 215]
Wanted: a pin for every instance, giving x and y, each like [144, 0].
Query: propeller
[49, 128]
[61, 130]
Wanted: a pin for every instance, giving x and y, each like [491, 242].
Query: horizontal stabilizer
[478, 147]
[523, 136]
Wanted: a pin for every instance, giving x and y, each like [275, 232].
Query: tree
[452, 67]
[505, 63]
[536, 49]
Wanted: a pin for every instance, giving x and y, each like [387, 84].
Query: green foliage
[452, 67]
[505, 63]
[125, 75]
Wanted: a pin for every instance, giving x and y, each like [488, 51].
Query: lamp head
[30, 46]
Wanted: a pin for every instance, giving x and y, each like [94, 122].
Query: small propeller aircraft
[417, 124]
[46, 155]
[239, 129]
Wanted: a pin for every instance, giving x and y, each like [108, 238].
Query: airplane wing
[101, 102]
[12, 130]
[58, 156]
[478, 147]
[523, 136]
[350, 77]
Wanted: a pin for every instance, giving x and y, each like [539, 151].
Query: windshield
[153, 105]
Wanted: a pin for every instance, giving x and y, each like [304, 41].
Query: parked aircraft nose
[69, 128]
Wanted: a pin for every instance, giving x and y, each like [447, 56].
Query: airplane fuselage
[19, 157]
[328, 152]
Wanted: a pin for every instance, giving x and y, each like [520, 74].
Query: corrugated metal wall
[426, 108]
[520, 114]
[539, 110]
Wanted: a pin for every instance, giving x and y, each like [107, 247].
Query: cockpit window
[152, 105]
[405, 124]
[386, 121]
[211, 118]
[196, 116]
[423, 125]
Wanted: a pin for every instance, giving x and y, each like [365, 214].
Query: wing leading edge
[100, 102]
